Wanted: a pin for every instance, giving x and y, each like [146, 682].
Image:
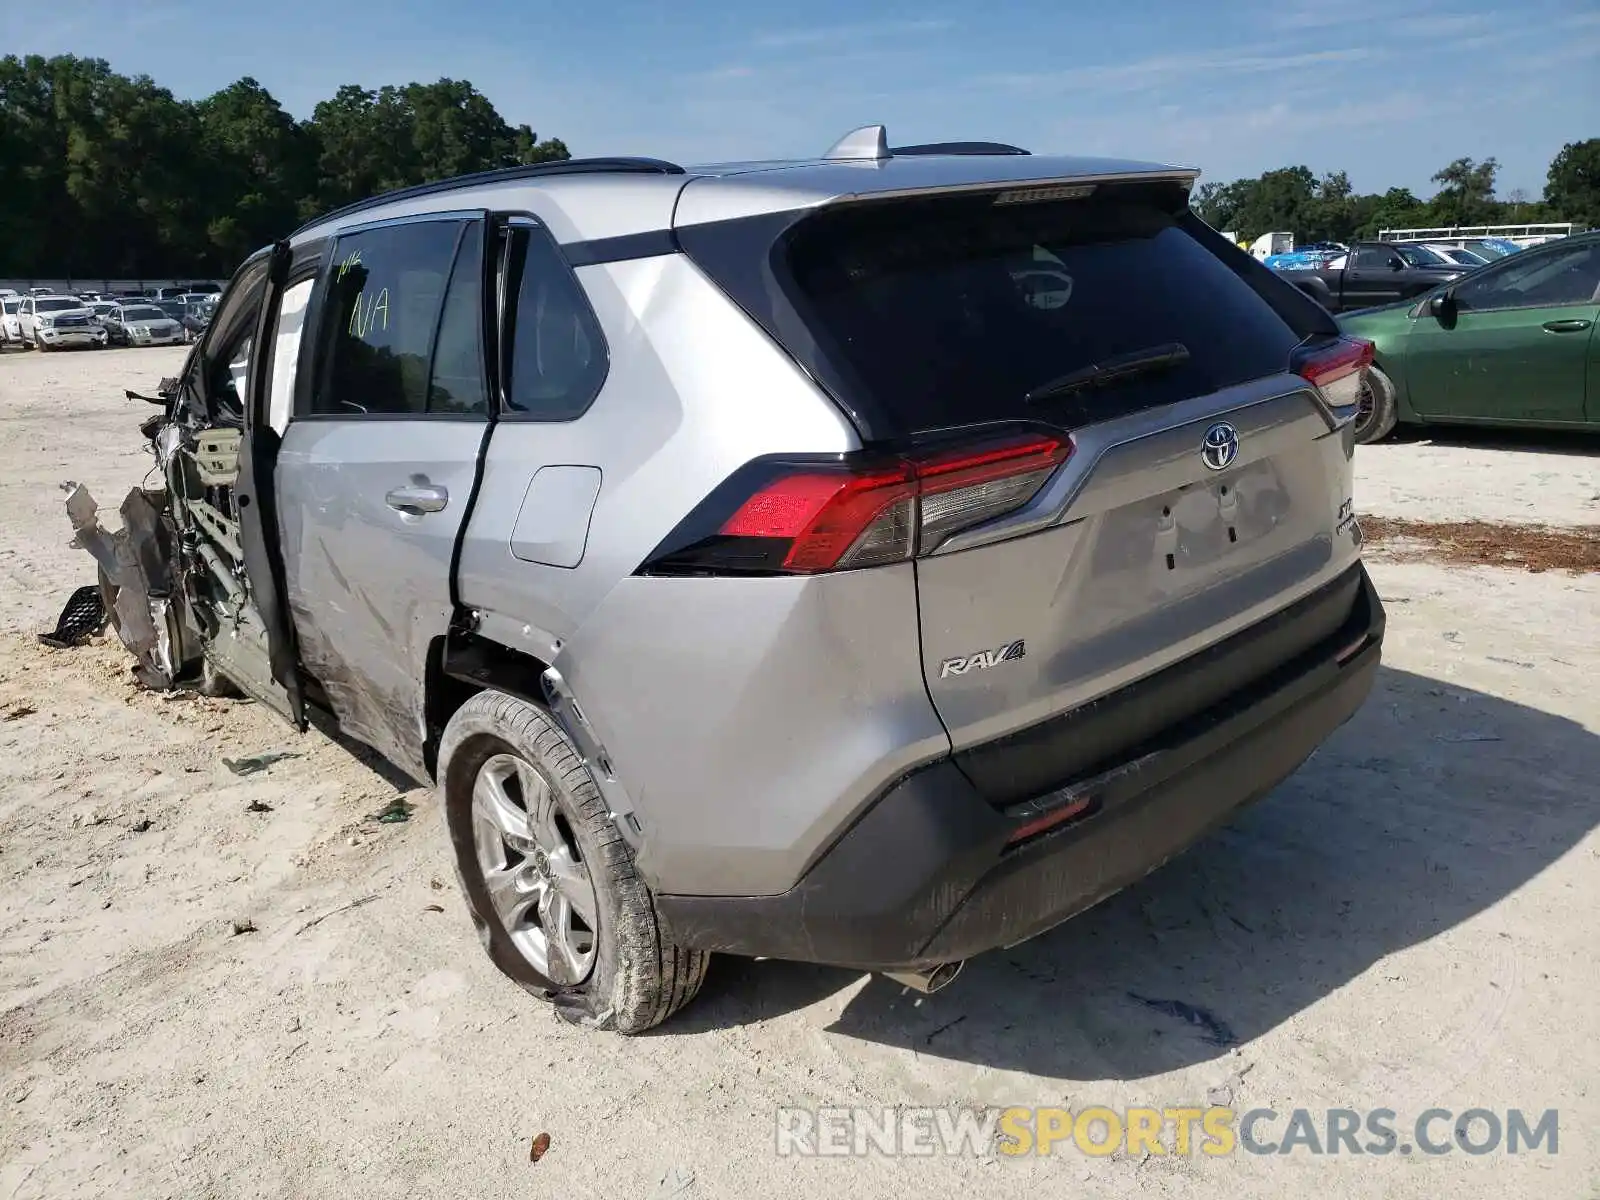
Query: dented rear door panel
[369, 585]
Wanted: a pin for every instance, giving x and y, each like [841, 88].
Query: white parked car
[50, 322]
[1457, 254]
[10, 322]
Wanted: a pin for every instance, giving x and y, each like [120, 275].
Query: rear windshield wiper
[1111, 370]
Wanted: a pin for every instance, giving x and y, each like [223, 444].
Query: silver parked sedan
[142, 325]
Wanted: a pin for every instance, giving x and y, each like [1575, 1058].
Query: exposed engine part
[220, 572]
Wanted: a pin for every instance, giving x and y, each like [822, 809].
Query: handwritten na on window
[368, 311]
[371, 310]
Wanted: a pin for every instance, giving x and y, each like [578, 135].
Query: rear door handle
[1575, 325]
[418, 498]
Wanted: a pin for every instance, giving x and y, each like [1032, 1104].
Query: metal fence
[70, 286]
[1525, 235]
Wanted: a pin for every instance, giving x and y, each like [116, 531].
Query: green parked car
[1512, 344]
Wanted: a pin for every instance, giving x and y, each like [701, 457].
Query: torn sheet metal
[136, 573]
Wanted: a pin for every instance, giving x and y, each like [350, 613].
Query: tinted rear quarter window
[951, 311]
[558, 357]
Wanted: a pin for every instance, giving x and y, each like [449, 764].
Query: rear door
[378, 465]
[1517, 348]
[1204, 492]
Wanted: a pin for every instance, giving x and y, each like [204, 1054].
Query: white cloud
[1146, 73]
[842, 36]
[1318, 14]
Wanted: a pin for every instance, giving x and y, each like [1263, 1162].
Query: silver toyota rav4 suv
[871, 560]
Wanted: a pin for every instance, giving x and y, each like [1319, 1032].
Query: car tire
[506, 770]
[1378, 413]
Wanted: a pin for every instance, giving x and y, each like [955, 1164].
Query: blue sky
[1388, 91]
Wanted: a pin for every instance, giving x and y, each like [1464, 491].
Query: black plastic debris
[1214, 1031]
[253, 763]
[84, 617]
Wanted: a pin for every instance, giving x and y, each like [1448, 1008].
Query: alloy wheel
[1366, 406]
[533, 871]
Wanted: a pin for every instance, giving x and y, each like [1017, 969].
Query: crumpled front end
[137, 581]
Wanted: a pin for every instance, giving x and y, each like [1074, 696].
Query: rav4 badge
[982, 660]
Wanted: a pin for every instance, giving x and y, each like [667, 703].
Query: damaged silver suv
[873, 560]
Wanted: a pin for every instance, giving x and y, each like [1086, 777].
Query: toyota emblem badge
[1220, 447]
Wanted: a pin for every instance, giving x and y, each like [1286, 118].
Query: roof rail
[959, 148]
[565, 166]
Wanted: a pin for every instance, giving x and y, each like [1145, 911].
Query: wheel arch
[1392, 364]
[460, 665]
[1317, 289]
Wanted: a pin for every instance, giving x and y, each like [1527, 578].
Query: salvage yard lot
[1408, 922]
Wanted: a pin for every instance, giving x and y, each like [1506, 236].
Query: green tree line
[1294, 200]
[104, 174]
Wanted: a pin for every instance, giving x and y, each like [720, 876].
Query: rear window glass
[953, 311]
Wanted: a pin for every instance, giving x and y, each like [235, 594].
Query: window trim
[486, 319]
[1389, 257]
[1503, 265]
[505, 325]
[305, 263]
[254, 274]
[309, 371]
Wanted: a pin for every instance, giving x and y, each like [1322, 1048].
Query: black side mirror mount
[1397, 264]
[1442, 306]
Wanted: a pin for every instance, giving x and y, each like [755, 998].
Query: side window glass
[1370, 258]
[385, 293]
[1567, 276]
[557, 354]
[233, 383]
[457, 382]
[286, 352]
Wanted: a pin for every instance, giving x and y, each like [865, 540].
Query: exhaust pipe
[929, 981]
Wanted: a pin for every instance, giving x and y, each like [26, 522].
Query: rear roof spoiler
[870, 143]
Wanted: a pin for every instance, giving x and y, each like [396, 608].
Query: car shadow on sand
[1432, 804]
[1583, 443]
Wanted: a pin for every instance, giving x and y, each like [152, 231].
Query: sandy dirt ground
[1406, 923]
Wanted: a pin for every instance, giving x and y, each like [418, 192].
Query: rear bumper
[926, 875]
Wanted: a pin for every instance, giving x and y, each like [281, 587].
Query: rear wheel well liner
[463, 663]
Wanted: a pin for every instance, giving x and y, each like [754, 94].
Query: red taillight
[805, 519]
[1337, 369]
[961, 489]
[826, 514]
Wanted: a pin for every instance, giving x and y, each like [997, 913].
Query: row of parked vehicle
[1473, 252]
[47, 321]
